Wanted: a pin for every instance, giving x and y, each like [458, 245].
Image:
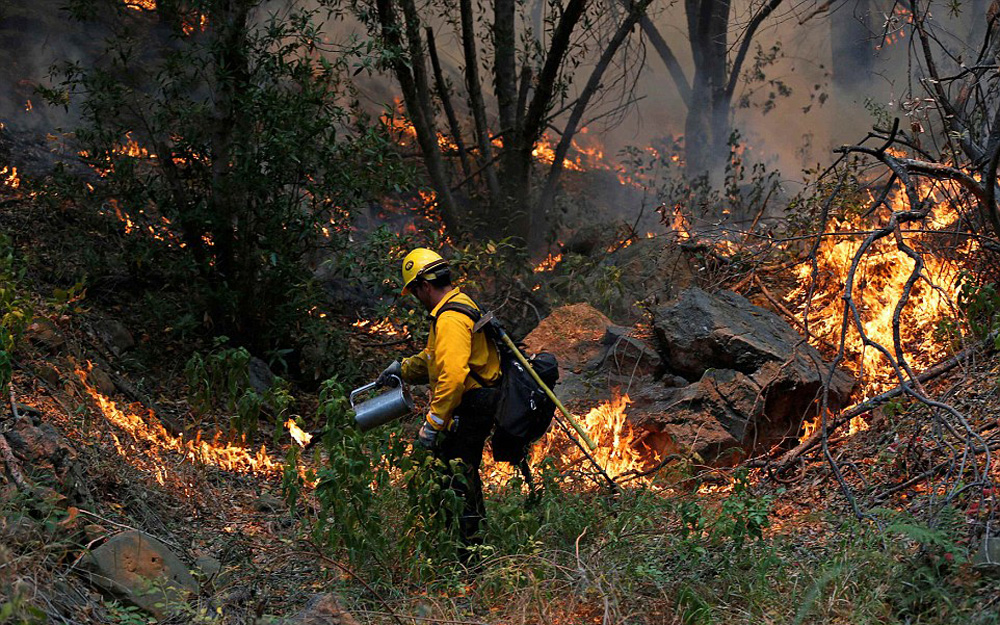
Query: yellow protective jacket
[453, 349]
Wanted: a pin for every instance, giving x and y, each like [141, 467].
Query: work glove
[385, 378]
[428, 437]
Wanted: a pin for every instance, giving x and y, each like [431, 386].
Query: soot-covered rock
[751, 375]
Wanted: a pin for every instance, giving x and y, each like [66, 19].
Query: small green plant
[743, 515]
[980, 303]
[15, 310]
[220, 381]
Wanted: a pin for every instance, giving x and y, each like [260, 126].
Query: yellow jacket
[453, 349]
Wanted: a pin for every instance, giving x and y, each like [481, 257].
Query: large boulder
[572, 334]
[753, 378]
[141, 570]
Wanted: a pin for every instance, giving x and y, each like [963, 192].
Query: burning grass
[148, 445]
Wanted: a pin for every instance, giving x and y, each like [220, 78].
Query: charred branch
[444, 94]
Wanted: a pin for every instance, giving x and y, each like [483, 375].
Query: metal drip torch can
[382, 408]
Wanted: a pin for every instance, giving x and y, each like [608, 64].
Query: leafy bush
[236, 143]
[15, 310]
[220, 381]
[384, 505]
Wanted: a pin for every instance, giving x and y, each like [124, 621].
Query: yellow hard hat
[421, 263]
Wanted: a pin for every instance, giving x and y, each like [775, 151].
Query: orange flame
[879, 282]
[9, 177]
[620, 450]
[300, 436]
[147, 431]
[548, 263]
[140, 5]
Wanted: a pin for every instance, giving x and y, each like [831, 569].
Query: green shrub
[15, 310]
[220, 381]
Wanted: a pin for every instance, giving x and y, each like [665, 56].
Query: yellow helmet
[421, 263]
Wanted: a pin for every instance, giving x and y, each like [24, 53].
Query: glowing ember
[548, 263]
[145, 429]
[141, 5]
[300, 436]
[28, 107]
[9, 177]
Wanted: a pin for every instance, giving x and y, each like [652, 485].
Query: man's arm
[415, 369]
[452, 349]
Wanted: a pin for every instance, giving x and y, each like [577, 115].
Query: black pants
[465, 443]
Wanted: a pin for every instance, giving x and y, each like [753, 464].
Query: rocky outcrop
[720, 378]
[141, 570]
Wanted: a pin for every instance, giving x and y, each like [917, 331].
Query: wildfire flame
[9, 177]
[620, 450]
[879, 284]
[299, 435]
[140, 5]
[146, 430]
[548, 263]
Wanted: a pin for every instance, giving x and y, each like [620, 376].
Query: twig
[8, 455]
[421, 618]
[346, 569]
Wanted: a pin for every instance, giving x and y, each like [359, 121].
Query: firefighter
[463, 369]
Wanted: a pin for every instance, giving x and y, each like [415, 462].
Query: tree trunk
[476, 102]
[416, 95]
[517, 174]
[636, 13]
[707, 126]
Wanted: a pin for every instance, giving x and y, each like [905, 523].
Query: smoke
[834, 67]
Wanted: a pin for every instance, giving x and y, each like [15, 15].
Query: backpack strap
[472, 313]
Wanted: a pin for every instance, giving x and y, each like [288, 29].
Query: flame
[140, 5]
[619, 451]
[679, 224]
[382, 327]
[199, 24]
[548, 263]
[879, 283]
[28, 107]
[10, 178]
[300, 436]
[145, 430]
[895, 26]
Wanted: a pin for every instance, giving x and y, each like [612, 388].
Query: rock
[48, 374]
[41, 448]
[142, 570]
[116, 336]
[572, 334]
[268, 503]
[208, 566]
[44, 333]
[700, 331]
[261, 377]
[322, 610]
[713, 417]
[626, 355]
[100, 380]
[987, 556]
[754, 378]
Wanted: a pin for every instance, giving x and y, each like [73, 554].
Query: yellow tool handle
[524, 361]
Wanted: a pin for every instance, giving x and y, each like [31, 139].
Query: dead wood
[13, 466]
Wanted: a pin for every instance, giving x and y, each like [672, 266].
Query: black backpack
[523, 410]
